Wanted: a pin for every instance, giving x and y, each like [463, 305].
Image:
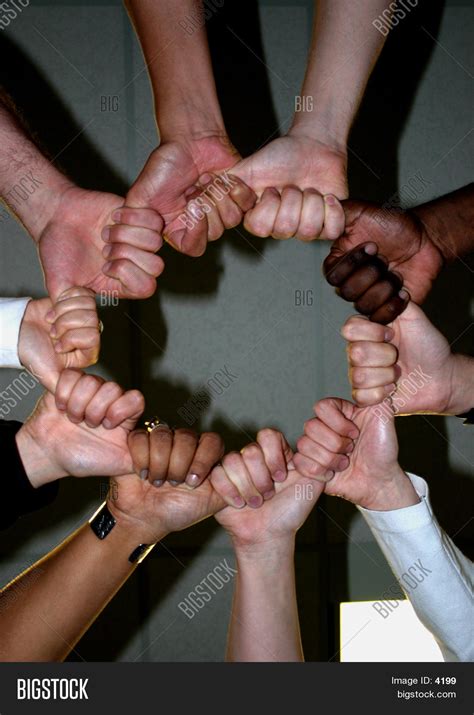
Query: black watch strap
[468, 417]
[102, 524]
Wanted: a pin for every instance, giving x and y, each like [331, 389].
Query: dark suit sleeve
[17, 495]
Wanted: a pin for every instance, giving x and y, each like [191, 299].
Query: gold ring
[101, 327]
[154, 423]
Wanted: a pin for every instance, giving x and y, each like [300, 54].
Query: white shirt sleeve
[433, 573]
[12, 311]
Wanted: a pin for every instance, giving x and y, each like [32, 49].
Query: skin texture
[81, 431]
[73, 246]
[370, 476]
[301, 170]
[67, 222]
[264, 622]
[58, 336]
[63, 593]
[175, 456]
[407, 251]
[312, 157]
[249, 477]
[174, 181]
[444, 380]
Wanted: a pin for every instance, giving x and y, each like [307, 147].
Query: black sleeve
[18, 496]
[468, 417]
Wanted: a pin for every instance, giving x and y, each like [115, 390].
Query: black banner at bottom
[330, 687]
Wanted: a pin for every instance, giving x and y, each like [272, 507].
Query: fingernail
[269, 495]
[388, 335]
[404, 294]
[329, 475]
[61, 406]
[58, 347]
[239, 502]
[117, 216]
[279, 476]
[157, 483]
[389, 389]
[371, 249]
[330, 200]
[106, 267]
[105, 233]
[206, 178]
[107, 424]
[350, 448]
[173, 482]
[192, 480]
[144, 474]
[398, 372]
[177, 236]
[107, 251]
[50, 316]
[255, 502]
[353, 434]
[53, 332]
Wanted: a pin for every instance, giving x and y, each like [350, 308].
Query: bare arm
[449, 222]
[344, 49]
[174, 42]
[66, 590]
[29, 184]
[264, 624]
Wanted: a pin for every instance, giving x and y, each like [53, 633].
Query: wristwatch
[102, 523]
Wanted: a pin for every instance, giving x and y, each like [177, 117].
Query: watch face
[102, 523]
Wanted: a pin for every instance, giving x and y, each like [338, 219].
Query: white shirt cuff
[403, 520]
[12, 311]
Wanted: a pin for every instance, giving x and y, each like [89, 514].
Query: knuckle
[187, 434]
[251, 450]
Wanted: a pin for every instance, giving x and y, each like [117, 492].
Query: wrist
[133, 527]
[47, 185]
[270, 552]
[396, 492]
[310, 125]
[185, 120]
[37, 463]
[461, 397]
[435, 232]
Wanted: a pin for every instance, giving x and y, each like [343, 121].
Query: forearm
[46, 610]
[344, 49]
[174, 42]
[449, 222]
[264, 623]
[29, 184]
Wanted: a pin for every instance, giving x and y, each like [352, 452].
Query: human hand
[410, 352]
[80, 246]
[174, 459]
[296, 161]
[80, 431]
[355, 453]
[186, 181]
[293, 213]
[60, 335]
[176, 456]
[406, 246]
[269, 459]
[286, 504]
